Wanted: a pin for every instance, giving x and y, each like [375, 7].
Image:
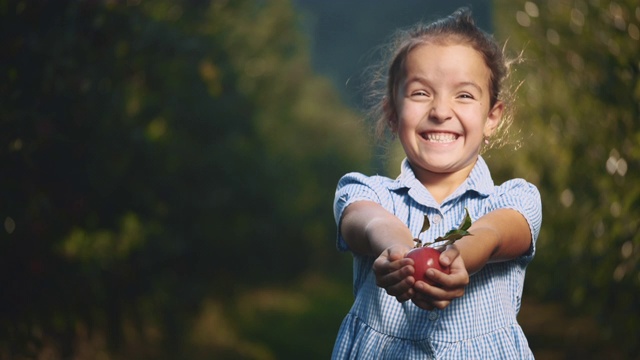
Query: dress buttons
[436, 219]
[433, 315]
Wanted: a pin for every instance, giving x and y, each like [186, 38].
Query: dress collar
[479, 180]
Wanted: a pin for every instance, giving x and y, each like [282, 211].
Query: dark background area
[346, 36]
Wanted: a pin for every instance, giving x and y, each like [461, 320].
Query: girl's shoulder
[360, 177]
[516, 187]
[522, 196]
[356, 186]
[376, 183]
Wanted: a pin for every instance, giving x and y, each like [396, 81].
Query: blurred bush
[579, 117]
[158, 157]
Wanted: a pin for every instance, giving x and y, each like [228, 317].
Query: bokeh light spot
[9, 225]
[627, 249]
[634, 31]
[531, 9]
[523, 19]
[553, 37]
[566, 198]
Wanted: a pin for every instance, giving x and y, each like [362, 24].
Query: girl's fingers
[430, 304]
[389, 273]
[407, 295]
[397, 282]
[437, 293]
[449, 281]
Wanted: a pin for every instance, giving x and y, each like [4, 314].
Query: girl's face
[443, 110]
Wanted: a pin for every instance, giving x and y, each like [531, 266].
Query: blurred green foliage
[160, 157]
[579, 117]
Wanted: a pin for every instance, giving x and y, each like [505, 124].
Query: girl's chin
[442, 166]
[444, 150]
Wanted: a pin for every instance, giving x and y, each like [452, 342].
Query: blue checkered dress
[481, 324]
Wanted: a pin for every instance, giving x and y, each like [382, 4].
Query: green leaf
[466, 223]
[456, 234]
[425, 225]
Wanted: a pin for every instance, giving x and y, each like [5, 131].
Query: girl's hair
[457, 28]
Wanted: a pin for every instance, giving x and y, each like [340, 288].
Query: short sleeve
[351, 188]
[524, 197]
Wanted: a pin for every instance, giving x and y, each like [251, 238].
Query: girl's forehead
[450, 57]
[446, 47]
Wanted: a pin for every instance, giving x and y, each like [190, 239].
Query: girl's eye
[465, 96]
[419, 93]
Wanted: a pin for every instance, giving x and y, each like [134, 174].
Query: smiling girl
[444, 103]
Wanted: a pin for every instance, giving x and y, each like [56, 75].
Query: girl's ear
[493, 119]
[390, 112]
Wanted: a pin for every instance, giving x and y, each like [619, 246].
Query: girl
[444, 103]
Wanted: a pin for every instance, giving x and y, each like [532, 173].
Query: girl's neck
[441, 185]
[440, 190]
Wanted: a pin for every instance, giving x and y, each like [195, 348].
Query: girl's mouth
[440, 137]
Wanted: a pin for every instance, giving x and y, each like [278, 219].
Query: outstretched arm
[500, 235]
[371, 230]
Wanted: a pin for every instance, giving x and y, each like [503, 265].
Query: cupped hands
[395, 274]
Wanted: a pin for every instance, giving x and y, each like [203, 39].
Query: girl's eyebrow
[416, 78]
[472, 84]
[424, 81]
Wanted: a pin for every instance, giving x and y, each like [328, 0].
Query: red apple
[426, 258]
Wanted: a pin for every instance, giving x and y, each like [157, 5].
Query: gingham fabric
[479, 325]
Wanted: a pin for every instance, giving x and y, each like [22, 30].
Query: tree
[579, 115]
[158, 154]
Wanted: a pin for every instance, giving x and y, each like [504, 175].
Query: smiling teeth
[441, 137]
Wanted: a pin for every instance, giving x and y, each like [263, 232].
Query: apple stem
[451, 236]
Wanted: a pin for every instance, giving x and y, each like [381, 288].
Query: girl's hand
[394, 272]
[450, 286]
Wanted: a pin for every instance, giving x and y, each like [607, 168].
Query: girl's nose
[440, 110]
